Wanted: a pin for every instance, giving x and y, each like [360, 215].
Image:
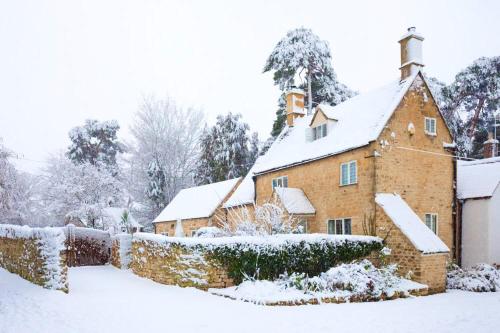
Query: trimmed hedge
[269, 257]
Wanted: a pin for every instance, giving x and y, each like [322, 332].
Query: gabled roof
[245, 192]
[113, 216]
[410, 224]
[197, 202]
[294, 200]
[478, 179]
[361, 119]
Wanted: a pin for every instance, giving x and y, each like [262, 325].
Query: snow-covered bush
[354, 282]
[478, 278]
[267, 257]
[360, 278]
[209, 232]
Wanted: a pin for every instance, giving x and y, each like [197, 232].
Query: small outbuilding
[478, 192]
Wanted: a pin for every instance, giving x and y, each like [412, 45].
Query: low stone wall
[121, 250]
[35, 254]
[175, 265]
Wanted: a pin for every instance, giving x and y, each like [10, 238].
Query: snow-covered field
[106, 299]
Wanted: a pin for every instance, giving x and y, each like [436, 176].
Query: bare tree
[165, 143]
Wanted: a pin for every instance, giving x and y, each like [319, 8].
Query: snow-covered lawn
[106, 299]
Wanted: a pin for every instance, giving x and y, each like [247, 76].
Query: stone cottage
[193, 208]
[379, 163]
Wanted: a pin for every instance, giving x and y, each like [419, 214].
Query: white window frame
[350, 178]
[164, 234]
[428, 129]
[342, 221]
[436, 222]
[320, 131]
[193, 232]
[276, 182]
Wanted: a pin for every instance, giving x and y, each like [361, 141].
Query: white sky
[62, 62]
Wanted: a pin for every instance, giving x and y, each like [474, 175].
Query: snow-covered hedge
[270, 256]
[87, 246]
[357, 281]
[478, 278]
[39, 259]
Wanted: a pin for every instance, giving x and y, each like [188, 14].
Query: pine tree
[95, 143]
[254, 149]
[156, 186]
[224, 150]
[301, 52]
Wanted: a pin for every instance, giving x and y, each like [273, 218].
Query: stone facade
[174, 265]
[404, 159]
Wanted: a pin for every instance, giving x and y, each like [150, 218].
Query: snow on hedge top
[478, 179]
[410, 224]
[294, 200]
[252, 241]
[360, 120]
[197, 202]
[25, 232]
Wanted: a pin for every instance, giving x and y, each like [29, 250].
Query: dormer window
[319, 131]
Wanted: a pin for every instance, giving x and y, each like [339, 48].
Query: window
[431, 220]
[280, 182]
[340, 226]
[430, 126]
[302, 226]
[348, 173]
[164, 233]
[193, 232]
[319, 132]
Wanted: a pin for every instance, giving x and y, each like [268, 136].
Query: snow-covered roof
[361, 119]
[197, 202]
[294, 200]
[478, 179]
[113, 215]
[245, 192]
[410, 224]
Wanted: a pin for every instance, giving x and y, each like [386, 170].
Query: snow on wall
[49, 245]
[410, 224]
[197, 202]
[124, 243]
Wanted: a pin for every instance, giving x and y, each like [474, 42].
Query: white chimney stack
[411, 53]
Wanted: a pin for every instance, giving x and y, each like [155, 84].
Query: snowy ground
[105, 299]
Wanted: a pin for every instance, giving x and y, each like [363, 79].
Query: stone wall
[35, 254]
[167, 228]
[174, 265]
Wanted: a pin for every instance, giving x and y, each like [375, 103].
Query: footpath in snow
[106, 299]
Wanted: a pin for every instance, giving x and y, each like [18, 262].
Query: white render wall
[475, 233]
[481, 231]
[494, 227]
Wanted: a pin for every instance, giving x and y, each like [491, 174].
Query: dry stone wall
[35, 254]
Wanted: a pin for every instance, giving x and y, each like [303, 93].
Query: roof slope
[478, 179]
[361, 119]
[410, 224]
[113, 215]
[294, 200]
[245, 192]
[197, 202]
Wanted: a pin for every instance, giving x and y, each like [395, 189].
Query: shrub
[478, 278]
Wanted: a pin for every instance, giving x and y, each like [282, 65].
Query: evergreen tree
[224, 150]
[254, 149]
[95, 143]
[156, 186]
[302, 52]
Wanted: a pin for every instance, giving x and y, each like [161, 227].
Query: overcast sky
[62, 62]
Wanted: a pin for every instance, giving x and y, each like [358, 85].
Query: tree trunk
[475, 118]
[309, 93]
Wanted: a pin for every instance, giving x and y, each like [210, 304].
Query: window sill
[344, 185]
[430, 134]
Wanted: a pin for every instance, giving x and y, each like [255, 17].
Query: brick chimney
[294, 105]
[490, 147]
[411, 53]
